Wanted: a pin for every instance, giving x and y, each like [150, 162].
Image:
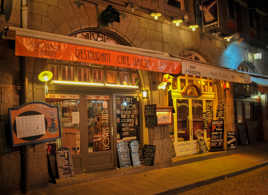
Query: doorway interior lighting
[144, 93]
[156, 15]
[94, 84]
[193, 27]
[177, 22]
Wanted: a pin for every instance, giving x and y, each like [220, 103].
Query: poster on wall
[33, 123]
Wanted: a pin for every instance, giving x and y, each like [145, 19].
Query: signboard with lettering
[123, 154]
[216, 140]
[33, 47]
[214, 72]
[34, 123]
[148, 154]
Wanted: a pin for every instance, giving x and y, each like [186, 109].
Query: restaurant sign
[33, 47]
[213, 72]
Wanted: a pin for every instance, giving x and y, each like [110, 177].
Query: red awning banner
[33, 47]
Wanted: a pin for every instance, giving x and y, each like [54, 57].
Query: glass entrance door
[99, 130]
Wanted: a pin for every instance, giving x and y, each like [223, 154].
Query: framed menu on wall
[33, 123]
[164, 115]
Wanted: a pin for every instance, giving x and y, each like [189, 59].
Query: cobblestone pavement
[165, 180]
[252, 183]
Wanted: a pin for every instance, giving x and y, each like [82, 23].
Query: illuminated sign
[33, 47]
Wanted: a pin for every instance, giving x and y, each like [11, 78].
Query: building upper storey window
[175, 3]
[1, 6]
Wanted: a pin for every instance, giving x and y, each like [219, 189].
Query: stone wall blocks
[35, 20]
[39, 7]
[63, 29]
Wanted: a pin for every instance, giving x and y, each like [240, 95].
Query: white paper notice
[75, 117]
[32, 125]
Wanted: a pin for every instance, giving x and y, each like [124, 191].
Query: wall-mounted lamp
[193, 27]
[45, 76]
[145, 93]
[177, 22]
[228, 38]
[162, 85]
[156, 15]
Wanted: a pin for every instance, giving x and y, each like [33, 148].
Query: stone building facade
[19, 83]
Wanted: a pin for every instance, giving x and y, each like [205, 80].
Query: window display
[127, 117]
[183, 123]
[69, 114]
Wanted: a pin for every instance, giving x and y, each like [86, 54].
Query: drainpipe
[24, 13]
[23, 82]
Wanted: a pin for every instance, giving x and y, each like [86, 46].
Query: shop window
[197, 108]
[124, 78]
[175, 3]
[111, 76]
[190, 82]
[84, 74]
[127, 117]
[209, 116]
[205, 86]
[183, 120]
[69, 114]
[54, 70]
[182, 84]
[67, 72]
[99, 131]
[134, 79]
[97, 75]
[247, 108]
[231, 8]
[239, 112]
[1, 6]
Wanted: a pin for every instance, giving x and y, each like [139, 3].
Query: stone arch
[112, 34]
[117, 39]
[193, 55]
[246, 66]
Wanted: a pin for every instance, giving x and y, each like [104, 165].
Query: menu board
[150, 115]
[148, 154]
[123, 154]
[127, 119]
[134, 153]
[34, 123]
[231, 140]
[216, 141]
[64, 163]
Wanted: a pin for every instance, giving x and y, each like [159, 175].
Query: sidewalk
[186, 172]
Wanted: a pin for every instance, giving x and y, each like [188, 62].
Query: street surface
[252, 183]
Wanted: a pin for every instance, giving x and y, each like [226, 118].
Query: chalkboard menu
[134, 153]
[216, 140]
[127, 116]
[231, 140]
[148, 154]
[123, 154]
[150, 115]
